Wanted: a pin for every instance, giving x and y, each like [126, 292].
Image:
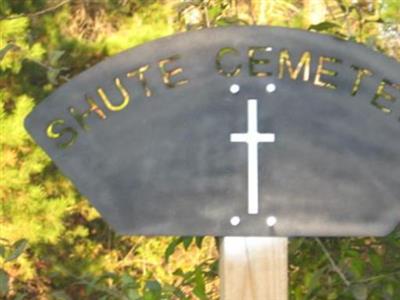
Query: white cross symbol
[252, 138]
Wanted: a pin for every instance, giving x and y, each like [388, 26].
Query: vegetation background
[54, 245]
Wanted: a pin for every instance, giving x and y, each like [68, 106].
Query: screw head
[235, 221]
[234, 88]
[270, 88]
[271, 221]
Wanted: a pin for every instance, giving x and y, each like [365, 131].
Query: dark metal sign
[233, 131]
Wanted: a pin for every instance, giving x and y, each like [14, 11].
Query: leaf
[7, 48]
[376, 262]
[3, 283]
[214, 267]
[200, 287]
[357, 267]
[214, 12]
[18, 248]
[55, 56]
[152, 290]
[128, 281]
[312, 281]
[360, 292]
[52, 75]
[2, 251]
[389, 290]
[171, 249]
[186, 242]
[225, 21]
[153, 285]
[199, 241]
[323, 26]
[178, 272]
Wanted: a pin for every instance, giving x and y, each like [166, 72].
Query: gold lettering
[254, 62]
[321, 71]
[303, 64]
[168, 74]
[81, 117]
[361, 73]
[124, 94]
[382, 93]
[140, 72]
[53, 133]
[218, 61]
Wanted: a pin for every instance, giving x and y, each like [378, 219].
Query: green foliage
[185, 241]
[9, 253]
[4, 279]
[346, 268]
[323, 26]
[15, 45]
[72, 253]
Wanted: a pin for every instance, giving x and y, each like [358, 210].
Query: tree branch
[332, 262]
[38, 13]
[378, 277]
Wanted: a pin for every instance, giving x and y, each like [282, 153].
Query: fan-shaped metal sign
[233, 131]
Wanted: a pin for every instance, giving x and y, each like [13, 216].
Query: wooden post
[254, 268]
